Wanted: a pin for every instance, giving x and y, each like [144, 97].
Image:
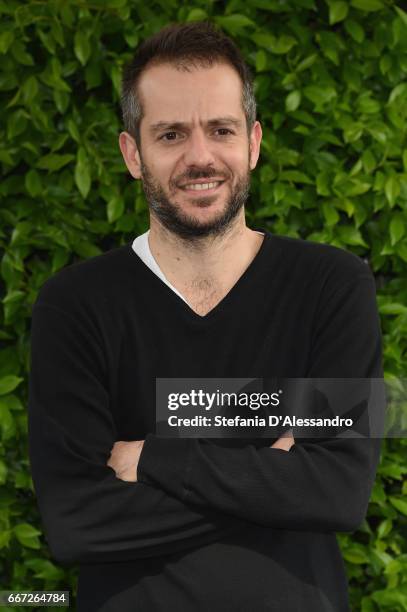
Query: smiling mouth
[202, 188]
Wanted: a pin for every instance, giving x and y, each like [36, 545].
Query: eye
[167, 134]
[225, 130]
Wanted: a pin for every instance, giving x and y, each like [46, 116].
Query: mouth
[202, 189]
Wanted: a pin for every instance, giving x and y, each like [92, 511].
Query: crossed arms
[125, 456]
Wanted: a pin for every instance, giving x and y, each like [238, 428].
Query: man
[195, 524]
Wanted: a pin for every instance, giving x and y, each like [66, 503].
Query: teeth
[199, 186]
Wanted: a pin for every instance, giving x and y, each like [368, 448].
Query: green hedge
[330, 80]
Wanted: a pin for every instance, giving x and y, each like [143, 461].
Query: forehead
[168, 93]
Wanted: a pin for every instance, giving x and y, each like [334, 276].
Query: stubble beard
[186, 226]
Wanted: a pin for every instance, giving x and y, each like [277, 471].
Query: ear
[255, 140]
[130, 154]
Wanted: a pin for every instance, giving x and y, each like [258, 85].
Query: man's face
[194, 131]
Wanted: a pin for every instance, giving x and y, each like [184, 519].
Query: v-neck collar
[244, 278]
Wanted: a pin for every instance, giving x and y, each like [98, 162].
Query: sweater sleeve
[321, 484]
[88, 514]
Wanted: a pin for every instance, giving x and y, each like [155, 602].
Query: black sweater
[209, 525]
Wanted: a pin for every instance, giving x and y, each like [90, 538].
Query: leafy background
[330, 79]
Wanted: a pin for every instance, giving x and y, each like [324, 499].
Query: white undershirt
[141, 247]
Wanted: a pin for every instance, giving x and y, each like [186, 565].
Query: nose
[198, 151]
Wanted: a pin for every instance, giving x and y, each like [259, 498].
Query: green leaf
[6, 39]
[293, 100]
[392, 189]
[323, 183]
[132, 38]
[399, 90]
[261, 60]
[330, 213]
[115, 208]
[390, 599]
[385, 63]
[368, 161]
[73, 129]
[27, 535]
[20, 233]
[86, 249]
[368, 5]
[383, 559]
[58, 33]
[9, 383]
[32, 182]
[397, 229]
[5, 536]
[348, 206]
[392, 308]
[401, 250]
[51, 76]
[7, 424]
[47, 40]
[279, 191]
[233, 23]
[295, 176]
[355, 30]
[319, 94]
[392, 469]
[12, 402]
[82, 47]
[197, 14]
[3, 472]
[337, 12]
[20, 54]
[366, 105]
[379, 132]
[384, 528]
[54, 162]
[399, 503]
[82, 172]
[61, 100]
[353, 132]
[67, 15]
[30, 89]
[93, 74]
[402, 14]
[356, 554]
[59, 259]
[284, 44]
[116, 78]
[356, 187]
[307, 62]
[350, 235]
[16, 124]
[280, 45]
[42, 568]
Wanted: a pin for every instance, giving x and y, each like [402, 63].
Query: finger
[283, 443]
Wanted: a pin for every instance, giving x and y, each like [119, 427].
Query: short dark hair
[196, 43]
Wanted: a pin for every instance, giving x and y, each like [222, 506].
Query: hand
[124, 458]
[285, 442]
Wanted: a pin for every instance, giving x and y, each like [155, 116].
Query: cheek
[160, 170]
[237, 158]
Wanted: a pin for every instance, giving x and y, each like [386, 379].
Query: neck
[215, 259]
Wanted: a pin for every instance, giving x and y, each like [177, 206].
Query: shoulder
[86, 281]
[323, 264]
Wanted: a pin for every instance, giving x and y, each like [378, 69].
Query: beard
[170, 214]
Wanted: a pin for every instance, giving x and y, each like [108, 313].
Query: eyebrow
[179, 125]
